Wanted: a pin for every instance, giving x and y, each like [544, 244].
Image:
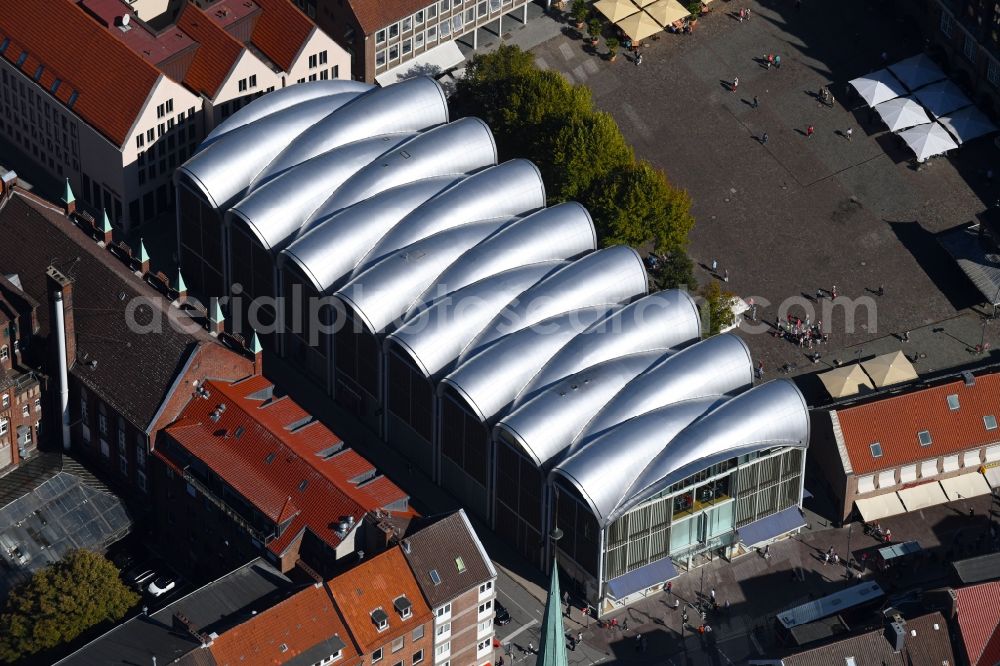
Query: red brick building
[20, 388]
[248, 472]
[977, 613]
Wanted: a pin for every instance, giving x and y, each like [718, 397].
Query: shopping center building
[430, 292]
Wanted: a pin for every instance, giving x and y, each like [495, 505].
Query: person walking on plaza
[809, 131]
[711, 593]
[725, 273]
[755, 102]
[777, 61]
[638, 59]
[849, 133]
[763, 139]
[736, 83]
[625, 624]
[670, 587]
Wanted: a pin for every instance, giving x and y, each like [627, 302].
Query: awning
[772, 526]
[917, 71]
[891, 368]
[878, 87]
[927, 140]
[992, 475]
[846, 380]
[615, 10]
[666, 12]
[982, 268]
[429, 63]
[965, 486]
[899, 550]
[967, 124]
[644, 577]
[639, 26]
[941, 98]
[880, 506]
[922, 496]
[902, 112]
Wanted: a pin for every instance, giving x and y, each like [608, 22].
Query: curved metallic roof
[223, 170]
[491, 379]
[463, 146]
[546, 425]
[419, 105]
[663, 320]
[503, 191]
[610, 276]
[435, 335]
[719, 365]
[564, 231]
[274, 211]
[334, 244]
[627, 450]
[766, 416]
[387, 289]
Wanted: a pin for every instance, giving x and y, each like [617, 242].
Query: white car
[161, 585]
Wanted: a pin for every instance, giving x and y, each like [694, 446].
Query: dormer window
[403, 606]
[381, 619]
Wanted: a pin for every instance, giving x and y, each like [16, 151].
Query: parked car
[161, 585]
[502, 616]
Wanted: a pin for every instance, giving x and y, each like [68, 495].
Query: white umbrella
[928, 140]
[901, 113]
[917, 71]
[941, 98]
[878, 87]
[967, 124]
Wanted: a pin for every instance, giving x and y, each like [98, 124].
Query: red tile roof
[373, 584]
[305, 620]
[979, 621]
[280, 31]
[217, 53]
[112, 82]
[306, 474]
[373, 15]
[894, 423]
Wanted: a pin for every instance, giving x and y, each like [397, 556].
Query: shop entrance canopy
[877, 87]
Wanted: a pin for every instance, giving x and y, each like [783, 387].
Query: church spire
[552, 645]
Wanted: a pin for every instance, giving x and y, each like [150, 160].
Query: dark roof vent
[239, 432]
[970, 379]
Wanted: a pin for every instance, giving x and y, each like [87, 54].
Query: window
[377, 655]
[432, 12]
[380, 58]
[407, 24]
[445, 5]
[253, 80]
[329, 660]
[322, 57]
[444, 649]
[161, 111]
[102, 424]
[444, 629]
[969, 48]
[123, 463]
[312, 61]
[4, 353]
[27, 436]
[481, 9]
[149, 134]
[5, 401]
[460, 564]
[25, 410]
[170, 106]
[432, 33]
[445, 28]
[38, 404]
[380, 37]
[456, 23]
[394, 52]
[990, 422]
[418, 633]
[482, 645]
[407, 46]
[324, 75]
[876, 450]
[418, 18]
[393, 30]
[993, 72]
[418, 657]
[925, 437]
[398, 643]
[485, 607]
[486, 587]
[947, 24]
[418, 40]
[953, 402]
[435, 577]
[140, 140]
[444, 612]
[3, 425]
[105, 449]
[243, 85]
[381, 619]
[470, 15]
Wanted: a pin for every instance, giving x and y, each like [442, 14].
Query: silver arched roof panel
[627, 450]
[275, 210]
[383, 292]
[418, 105]
[435, 336]
[719, 365]
[547, 424]
[661, 320]
[282, 98]
[224, 169]
[766, 416]
[489, 380]
[332, 245]
[605, 277]
[460, 147]
[503, 191]
[564, 231]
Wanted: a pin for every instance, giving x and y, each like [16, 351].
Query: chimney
[258, 358]
[182, 624]
[143, 258]
[61, 288]
[57, 282]
[68, 200]
[216, 320]
[8, 182]
[105, 233]
[895, 632]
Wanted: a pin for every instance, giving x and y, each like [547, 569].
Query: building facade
[932, 444]
[170, 87]
[383, 37]
[20, 388]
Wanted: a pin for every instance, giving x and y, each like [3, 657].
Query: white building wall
[337, 65]
[249, 78]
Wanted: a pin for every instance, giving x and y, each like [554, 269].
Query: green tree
[676, 270]
[585, 148]
[637, 205]
[60, 602]
[719, 308]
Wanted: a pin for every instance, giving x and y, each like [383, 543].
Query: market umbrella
[846, 380]
[941, 98]
[891, 368]
[917, 71]
[615, 10]
[643, 3]
[901, 113]
[666, 12]
[878, 87]
[928, 140]
[639, 26]
[967, 124]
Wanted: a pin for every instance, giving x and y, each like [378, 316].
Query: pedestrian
[836, 558]
[642, 644]
[531, 648]
[809, 131]
[677, 603]
[715, 266]
[726, 606]
[743, 14]
[711, 593]
[906, 336]
[748, 13]
[725, 275]
[708, 628]
[972, 512]
[826, 558]
[684, 616]
[670, 587]
[638, 59]
[579, 637]
[638, 642]
[572, 644]
[881, 290]
[770, 60]
[755, 102]
[736, 83]
[777, 61]
[833, 293]
[625, 624]
[849, 133]
[701, 629]
[763, 139]
[767, 552]
[888, 536]
[760, 369]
